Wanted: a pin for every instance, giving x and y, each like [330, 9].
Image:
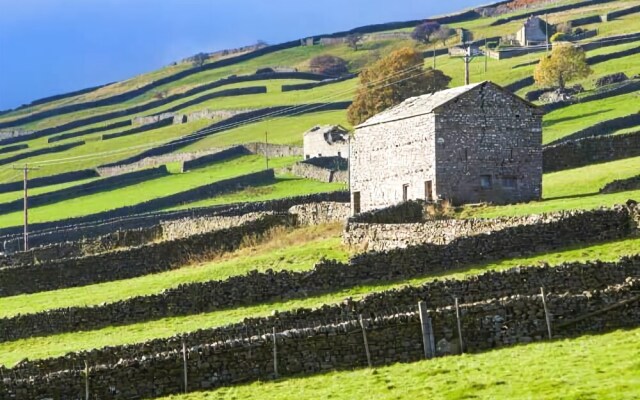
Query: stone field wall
[338, 345]
[593, 276]
[88, 228]
[622, 185]
[132, 262]
[256, 287]
[591, 150]
[387, 236]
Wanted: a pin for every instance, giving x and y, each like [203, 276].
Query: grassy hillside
[602, 366]
[590, 367]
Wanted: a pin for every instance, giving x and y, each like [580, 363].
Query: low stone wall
[257, 287]
[85, 189]
[602, 128]
[387, 236]
[405, 212]
[591, 150]
[79, 248]
[86, 228]
[622, 185]
[335, 346]
[208, 159]
[115, 125]
[183, 228]
[161, 123]
[124, 264]
[274, 150]
[321, 213]
[39, 152]
[571, 278]
[10, 149]
[309, 171]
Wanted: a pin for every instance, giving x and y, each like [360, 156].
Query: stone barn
[533, 32]
[326, 141]
[474, 143]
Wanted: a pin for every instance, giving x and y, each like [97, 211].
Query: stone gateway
[474, 143]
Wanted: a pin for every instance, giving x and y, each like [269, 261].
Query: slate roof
[331, 133]
[414, 106]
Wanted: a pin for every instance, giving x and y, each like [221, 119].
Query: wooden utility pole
[434, 55]
[467, 61]
[485, 55]
[26, 170]
[546, 29]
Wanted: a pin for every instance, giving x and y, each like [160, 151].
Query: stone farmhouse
[474, 143]
[533, 32]
[326, 141]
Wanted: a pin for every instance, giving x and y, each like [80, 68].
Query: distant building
[326, 141]
[475, 143]
[533, 32]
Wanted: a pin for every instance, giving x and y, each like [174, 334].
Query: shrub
[328, 65]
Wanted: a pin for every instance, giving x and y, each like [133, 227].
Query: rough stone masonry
[469, 144]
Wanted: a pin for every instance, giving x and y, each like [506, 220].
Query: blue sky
[54, 46]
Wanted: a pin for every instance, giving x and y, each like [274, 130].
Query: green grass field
[570, 189]
[590, 367]
[148, 190]
[56, 345]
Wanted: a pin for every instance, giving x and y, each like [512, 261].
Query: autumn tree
[565, 63]
[390, 81]
[327, 64]
[422, 33]
[353, 40]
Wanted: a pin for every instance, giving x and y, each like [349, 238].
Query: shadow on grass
[297, 379]
[574, 117]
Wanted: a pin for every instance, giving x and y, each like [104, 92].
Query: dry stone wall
[256, 287]
[591, 150]
[339, 345]
[129, 263]
[569, 278]
[387, 236]
[87, 228]
[321, 213]
[622, 185]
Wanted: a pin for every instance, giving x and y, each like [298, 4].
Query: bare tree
[422, 33]
[442, 34]
[199, 59]
[353, 40]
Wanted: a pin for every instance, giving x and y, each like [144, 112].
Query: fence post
[86, 380]
[428, 341]
[275, 354]
[184, 361]
[459, 327]
[547, 317]
[366, 342]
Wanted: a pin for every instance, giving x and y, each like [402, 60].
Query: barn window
[485, 181]
[509, 182]
[356, 203]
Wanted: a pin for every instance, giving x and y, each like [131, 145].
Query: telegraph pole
[485, 55]
[25, 171]
[467, 61]
[434, 55]
[546, 29]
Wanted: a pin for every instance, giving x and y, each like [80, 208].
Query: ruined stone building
[326, 141]
[474, 143]
[533, 32]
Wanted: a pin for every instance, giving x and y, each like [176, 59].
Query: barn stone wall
[385, 157]
[487, 132]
